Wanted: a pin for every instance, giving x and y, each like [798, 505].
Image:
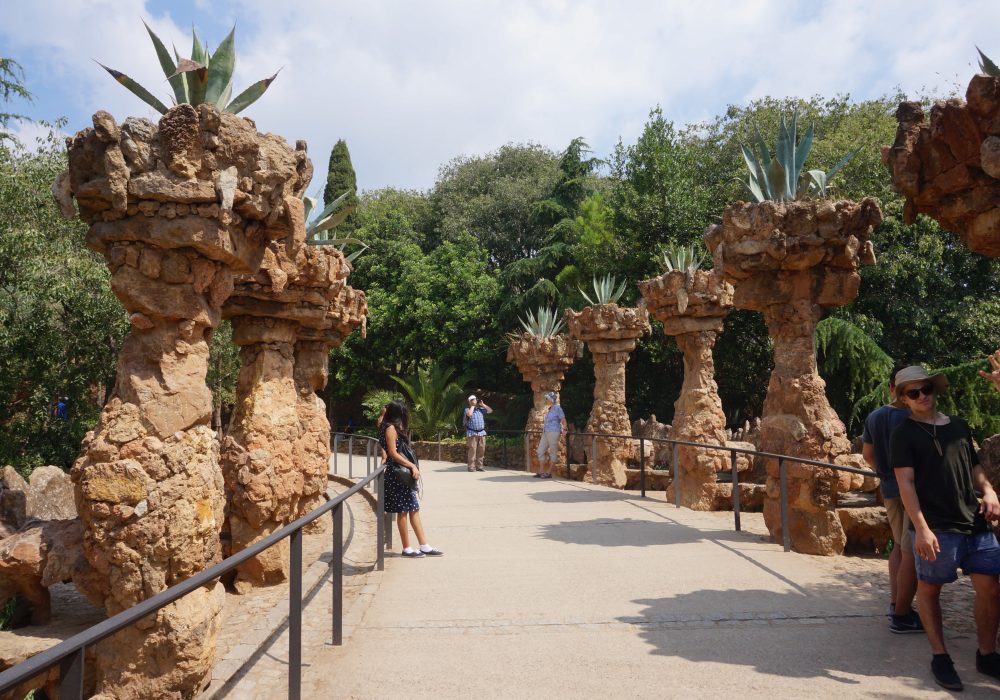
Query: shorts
[549, 441]
[899, 522]
[976, 554]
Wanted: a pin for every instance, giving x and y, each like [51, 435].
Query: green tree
[436, 400]
[340, 178]
[60, 326]
[11, 86]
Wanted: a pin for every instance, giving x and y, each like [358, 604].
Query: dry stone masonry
[176, 208]
[949, 167]
[543, 362]
[611, 332]
[792, 262]
[692, 305]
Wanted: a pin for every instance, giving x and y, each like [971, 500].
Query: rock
[867, 529]
[543, 362]
[610, 332]
[13, 498]
[661, 452]
[33, 559]
[50, 495]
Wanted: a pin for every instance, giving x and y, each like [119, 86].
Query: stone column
[543, 363]
[792, 261]
[949, 167]
[692, 305]
[176, 209]
[611, 333]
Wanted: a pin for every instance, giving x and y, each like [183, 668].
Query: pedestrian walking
[400, 498]
[902, 571]
[939, 475]
[475, 432]
[553, 428]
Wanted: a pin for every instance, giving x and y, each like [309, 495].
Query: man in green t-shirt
[938, 474]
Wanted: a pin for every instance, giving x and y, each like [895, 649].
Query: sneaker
[892, 610]
[944, 672]
[470, 469]
[414, 555]
[432, 553]
[480, 469]
[906, 624]
[988, 664]
[538, 475]
[547, 475]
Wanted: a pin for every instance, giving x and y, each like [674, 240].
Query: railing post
[677, 475]
[642, 467]
[527, 455]
[504, 439]
[350, 457]
[368, 457]
[380, 524]
[786, 537]
[337, 576]
[71, 675]
[736, 489]
[439, 445]
[295, 617]
[336, 449]
[569, 457]
[593, 459]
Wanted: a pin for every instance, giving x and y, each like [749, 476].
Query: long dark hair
[398, 416]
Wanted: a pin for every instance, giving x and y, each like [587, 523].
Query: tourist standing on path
[475, 432]
[400, 498]
[902, 572]
[553, 428]
[938, 474]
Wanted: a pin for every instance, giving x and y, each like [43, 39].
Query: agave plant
[781, 178]
[682, 258]
[318, 231]
[544, 324]
[604, 291]
[205, 78]
[987, 66]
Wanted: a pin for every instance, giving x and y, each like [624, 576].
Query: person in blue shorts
[939, 476]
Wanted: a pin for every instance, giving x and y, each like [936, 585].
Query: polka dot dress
[398, 497]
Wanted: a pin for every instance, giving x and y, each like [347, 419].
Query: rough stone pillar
[543, 363]
[611, 333]
[949, 167]
[276, 456]
[176, 209]
[692, 305]
[792, 261]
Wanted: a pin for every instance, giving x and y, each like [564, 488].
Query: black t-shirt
[943, 482]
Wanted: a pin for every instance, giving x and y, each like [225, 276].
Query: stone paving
[561, 589]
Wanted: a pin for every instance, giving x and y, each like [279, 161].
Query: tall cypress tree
[340, 178]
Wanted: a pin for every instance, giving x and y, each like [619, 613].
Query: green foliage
[971, 397]
[436, 400]
[205, 78]
[860, 366]
[544, 324]
[375, 400]
[604, 291]
[781, 178]
[340, 181]
[223, 371]
[11, 85]
[60, 325]
[681, 258]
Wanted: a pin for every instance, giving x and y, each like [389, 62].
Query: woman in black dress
[399, 498]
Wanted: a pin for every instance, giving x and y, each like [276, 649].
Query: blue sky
[411, 85]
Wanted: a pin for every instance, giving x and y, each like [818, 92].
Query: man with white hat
[475, 432]
[939, 476]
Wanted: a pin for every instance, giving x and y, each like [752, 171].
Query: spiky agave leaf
[604, 291]
[136, 89]
[543, 324]
[220, 69]
[987, 66]
[250, 95]
[177, 81]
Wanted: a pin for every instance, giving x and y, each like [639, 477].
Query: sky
[411, 85]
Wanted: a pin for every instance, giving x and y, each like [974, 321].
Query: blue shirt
[552, 419]
[878, 428]
[476, 424]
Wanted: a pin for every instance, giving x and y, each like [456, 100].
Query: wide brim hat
[914, 374]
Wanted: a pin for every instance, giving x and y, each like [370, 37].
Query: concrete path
[560, 589]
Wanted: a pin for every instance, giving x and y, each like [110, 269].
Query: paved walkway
[562, 589]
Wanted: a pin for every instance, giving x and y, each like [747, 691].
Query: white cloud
[411, 85]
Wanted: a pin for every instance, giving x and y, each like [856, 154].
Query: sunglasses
[926, 390]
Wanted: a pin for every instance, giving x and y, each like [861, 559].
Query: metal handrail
[733, 451]
[69, 654]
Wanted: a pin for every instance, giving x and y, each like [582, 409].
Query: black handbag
[402, 473]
